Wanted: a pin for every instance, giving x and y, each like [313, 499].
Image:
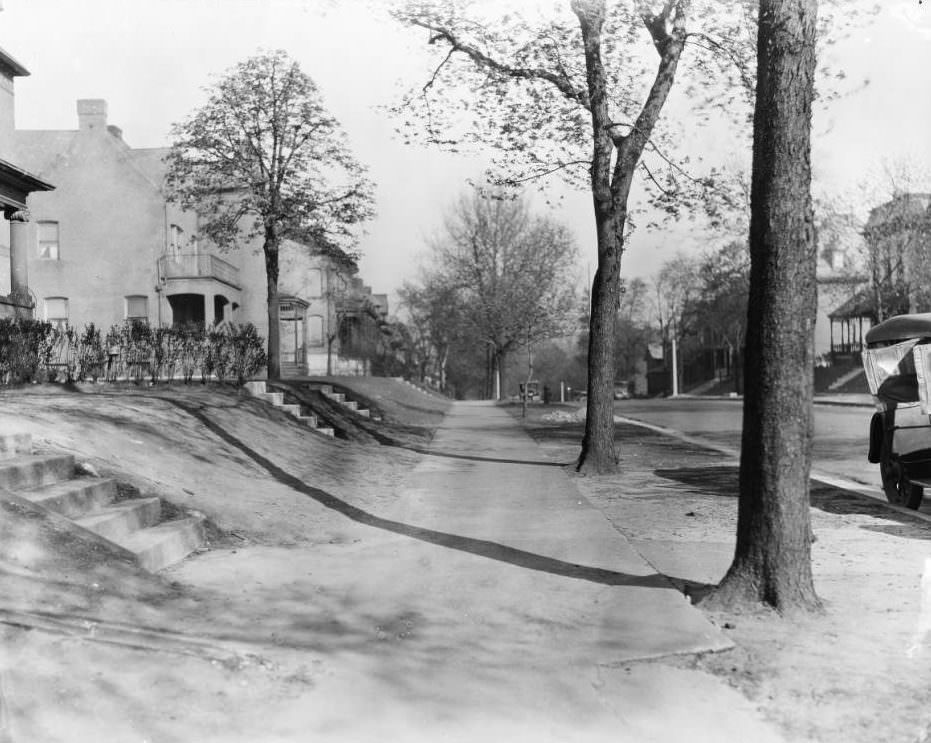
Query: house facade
[107, 246]
[16, 183]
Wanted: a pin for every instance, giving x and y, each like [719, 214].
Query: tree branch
[484, 60]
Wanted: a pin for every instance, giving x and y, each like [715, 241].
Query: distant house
[107, 246]
[16, 184]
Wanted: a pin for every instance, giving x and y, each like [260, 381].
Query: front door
[291, 328]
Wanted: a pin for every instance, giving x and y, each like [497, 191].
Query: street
[841, 431]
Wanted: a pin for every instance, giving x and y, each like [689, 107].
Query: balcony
[198, 266]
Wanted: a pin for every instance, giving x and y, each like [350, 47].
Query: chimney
[92, 113]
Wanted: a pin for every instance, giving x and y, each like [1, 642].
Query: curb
[852, 487]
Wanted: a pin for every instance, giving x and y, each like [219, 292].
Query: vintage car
[897, 361]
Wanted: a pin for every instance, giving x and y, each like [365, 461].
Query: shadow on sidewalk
[480, 547]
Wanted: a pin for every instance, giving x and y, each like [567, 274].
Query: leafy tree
[551, 83]
[262, 158]
[511, 273]
[435, 315]
[718, 311]
[772, 559]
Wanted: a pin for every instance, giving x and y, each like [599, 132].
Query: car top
[900, 328]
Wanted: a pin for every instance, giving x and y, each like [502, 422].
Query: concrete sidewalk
[527, 625]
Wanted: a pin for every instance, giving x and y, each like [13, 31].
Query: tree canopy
[262, 158]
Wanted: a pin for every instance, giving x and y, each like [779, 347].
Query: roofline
[11, 64]
[23, 178]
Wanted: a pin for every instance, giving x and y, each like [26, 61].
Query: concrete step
[310, 420]
[275, 398]
[326, 389]
[290, 408]
[171, 541]
[337, 396]
[256, 388]
[74, 498]
[25, 472]
[326, 431]
[351, 404]
[364, 413]
[15, 445]
[121, 520]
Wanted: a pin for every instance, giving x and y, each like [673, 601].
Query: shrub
[34, 350]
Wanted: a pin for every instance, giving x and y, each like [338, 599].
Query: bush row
[32, 350]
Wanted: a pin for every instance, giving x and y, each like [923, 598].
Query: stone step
[310, 420]
[15, 445]
[364, 413]
[290, 408]
[275, 398]
[337, 396]
[121, 520]
[326, 431]
[74, 498]
[351, 404]
[171, 541]
[35, 470]
[256, 388]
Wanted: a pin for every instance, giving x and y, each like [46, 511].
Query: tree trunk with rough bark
[274, 330]
[611, 183]
[772, 560]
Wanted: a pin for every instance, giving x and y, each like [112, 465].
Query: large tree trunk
[611, 185]
[772, 560]
[274, 330]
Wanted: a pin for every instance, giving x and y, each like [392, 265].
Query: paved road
[841, 432]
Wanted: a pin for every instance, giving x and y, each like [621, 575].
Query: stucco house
[16, 184]
[107, 246]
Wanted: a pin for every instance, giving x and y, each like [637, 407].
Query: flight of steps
[327, 391]
[133, 526]
[260, 391]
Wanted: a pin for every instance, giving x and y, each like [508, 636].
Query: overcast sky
[150, 59]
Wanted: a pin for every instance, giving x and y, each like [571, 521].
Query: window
[48, 240]
[314, 285]
[137, 308]
[175, 240]
[315, 330]
[56, 311]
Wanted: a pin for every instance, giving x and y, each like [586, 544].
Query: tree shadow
[722, 481]
[480, 547]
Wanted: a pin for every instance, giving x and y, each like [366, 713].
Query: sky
[151, 59]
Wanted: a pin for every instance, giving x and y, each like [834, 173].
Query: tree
[582, 97]
[717, 313]
[435, 315]
[263, 159]
[772, 559]
[512, 274]
[547, 93]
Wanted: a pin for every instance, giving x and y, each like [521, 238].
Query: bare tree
[513, 273]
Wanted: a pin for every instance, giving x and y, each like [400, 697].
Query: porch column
[209, 318]
[19, 255]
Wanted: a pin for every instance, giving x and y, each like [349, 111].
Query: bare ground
[858, 672]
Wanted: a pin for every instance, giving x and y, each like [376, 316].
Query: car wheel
[899, 491]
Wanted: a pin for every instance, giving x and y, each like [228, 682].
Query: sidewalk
[482, 600]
